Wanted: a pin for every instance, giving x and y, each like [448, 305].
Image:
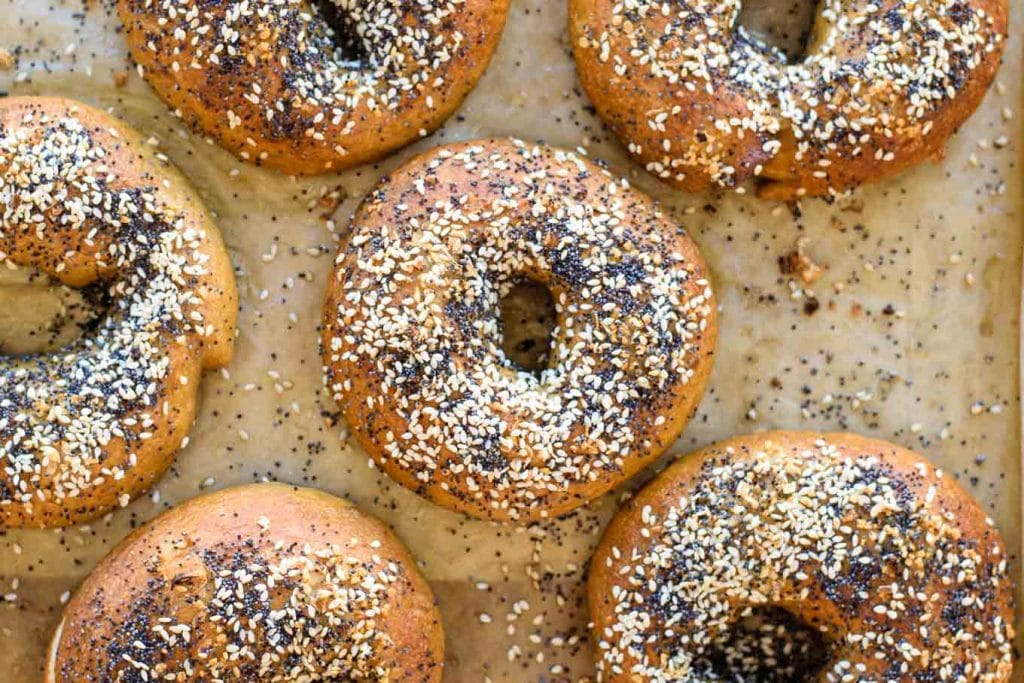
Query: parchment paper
[909, 332]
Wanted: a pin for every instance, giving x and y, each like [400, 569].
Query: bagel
[309, 87]
[264, 582]
[702, 104]
[411, 337]
[85, 201]
[869, 563]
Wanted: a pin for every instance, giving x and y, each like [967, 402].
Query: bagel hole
[770, 645]
[40, 315]
[786, 25]
[342, 33]
[527, 317]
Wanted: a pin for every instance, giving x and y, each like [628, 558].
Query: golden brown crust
[411, 344]
[268, 85]
[702, 104]
[174, 569]
[965, 619]
[89, 443]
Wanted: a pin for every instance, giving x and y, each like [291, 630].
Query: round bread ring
[701, 103]
[341, 580]
[754, 523]
[270, 84]
[411, 332]
[86, 428]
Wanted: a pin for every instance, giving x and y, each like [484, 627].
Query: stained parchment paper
[893, 313]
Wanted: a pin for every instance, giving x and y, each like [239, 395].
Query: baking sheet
[909, 332]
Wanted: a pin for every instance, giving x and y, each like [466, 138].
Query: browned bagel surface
[877, 565]
[265, 582]
[312, 87]
[87, 202]
[701, 103]
[411, 337]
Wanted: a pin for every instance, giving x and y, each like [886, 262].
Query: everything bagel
[88, 203]
[312, 87]
[412, 341]
[870, 563]
[264, 582]
[701, 103]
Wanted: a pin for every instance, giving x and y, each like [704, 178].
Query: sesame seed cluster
[412, 337]
[897, 575]
[284, 613]
[65, 211]
[342, 81]
[878, 76]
